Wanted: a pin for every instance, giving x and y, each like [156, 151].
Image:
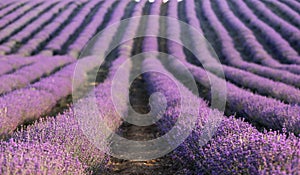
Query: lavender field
[242, 108]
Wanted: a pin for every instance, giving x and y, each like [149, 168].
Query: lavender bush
[37, 158]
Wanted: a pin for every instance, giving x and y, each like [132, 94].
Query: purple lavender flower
[37, 158]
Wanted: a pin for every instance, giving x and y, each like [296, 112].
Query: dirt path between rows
[139, 100]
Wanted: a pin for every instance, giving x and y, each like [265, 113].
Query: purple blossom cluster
[238, 148]
[37, 158]
[65, 130]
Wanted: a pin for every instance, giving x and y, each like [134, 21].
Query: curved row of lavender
[230, 56]
[260, 85]
[256, 108]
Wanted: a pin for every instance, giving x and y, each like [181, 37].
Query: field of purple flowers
[256, 41]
